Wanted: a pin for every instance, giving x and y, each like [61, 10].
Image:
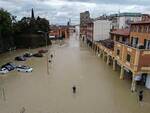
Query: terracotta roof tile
[123, 32]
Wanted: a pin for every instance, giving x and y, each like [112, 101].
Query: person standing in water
[74, 89]
[51, 56]
[141, 95]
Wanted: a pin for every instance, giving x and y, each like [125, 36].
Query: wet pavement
[99, 89]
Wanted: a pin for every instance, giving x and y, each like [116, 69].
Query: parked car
[38, 55]
[43, 51]
[22, 68]
[20, 58]
[9, 66]
[3, 71]
[28, 55]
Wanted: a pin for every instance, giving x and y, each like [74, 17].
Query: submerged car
[22, 68]
[9, 66]
[28, 55]
[38, 55]
[43, 51]
[20, 58]
[3, 71]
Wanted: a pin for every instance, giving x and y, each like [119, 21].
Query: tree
[6, 40]
[26, 32]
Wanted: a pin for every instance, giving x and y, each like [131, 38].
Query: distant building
[59, 31]
[90, 29]
[123, 20]
[84, 19]
[145, 17]
[114, 21]
[101, 30]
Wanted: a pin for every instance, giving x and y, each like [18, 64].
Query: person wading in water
[141, 95]
[51, 56]
[74, 89]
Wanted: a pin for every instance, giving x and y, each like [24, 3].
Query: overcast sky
[59, 11]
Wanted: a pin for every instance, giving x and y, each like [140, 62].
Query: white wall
[122, 21]
[101, 30]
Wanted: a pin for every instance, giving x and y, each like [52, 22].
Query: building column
[95, 49]
[93, 46]
[133, 85]
[108, 58]
[114, 64]
[122, 73]
[103, 55]
[100, 53]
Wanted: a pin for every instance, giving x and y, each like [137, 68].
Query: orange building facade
[59, 31]
[130, 52]
[134, 55]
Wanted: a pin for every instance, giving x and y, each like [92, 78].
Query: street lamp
[45, 35]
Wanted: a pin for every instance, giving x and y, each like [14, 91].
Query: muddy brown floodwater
[99, 89]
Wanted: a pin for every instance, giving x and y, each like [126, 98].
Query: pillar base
[108, 60]
[122, 73]
[114, 65]
[103, 56]
[133, 85]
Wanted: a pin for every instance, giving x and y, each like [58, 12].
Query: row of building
[61, 31]
[123, 41]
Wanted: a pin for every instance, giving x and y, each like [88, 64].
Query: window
[117, 38]
[124, 39]
[134, 41]
[145, 29]
[118, 52]
[128, 57]
[146, 44]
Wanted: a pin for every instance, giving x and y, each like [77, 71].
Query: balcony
[107, 46]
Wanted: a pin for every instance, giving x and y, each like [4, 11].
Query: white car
[3, 71]
[22, 68]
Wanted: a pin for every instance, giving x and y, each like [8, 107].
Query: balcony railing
[136, 46]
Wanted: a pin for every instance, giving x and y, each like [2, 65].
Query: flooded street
[99, 89]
